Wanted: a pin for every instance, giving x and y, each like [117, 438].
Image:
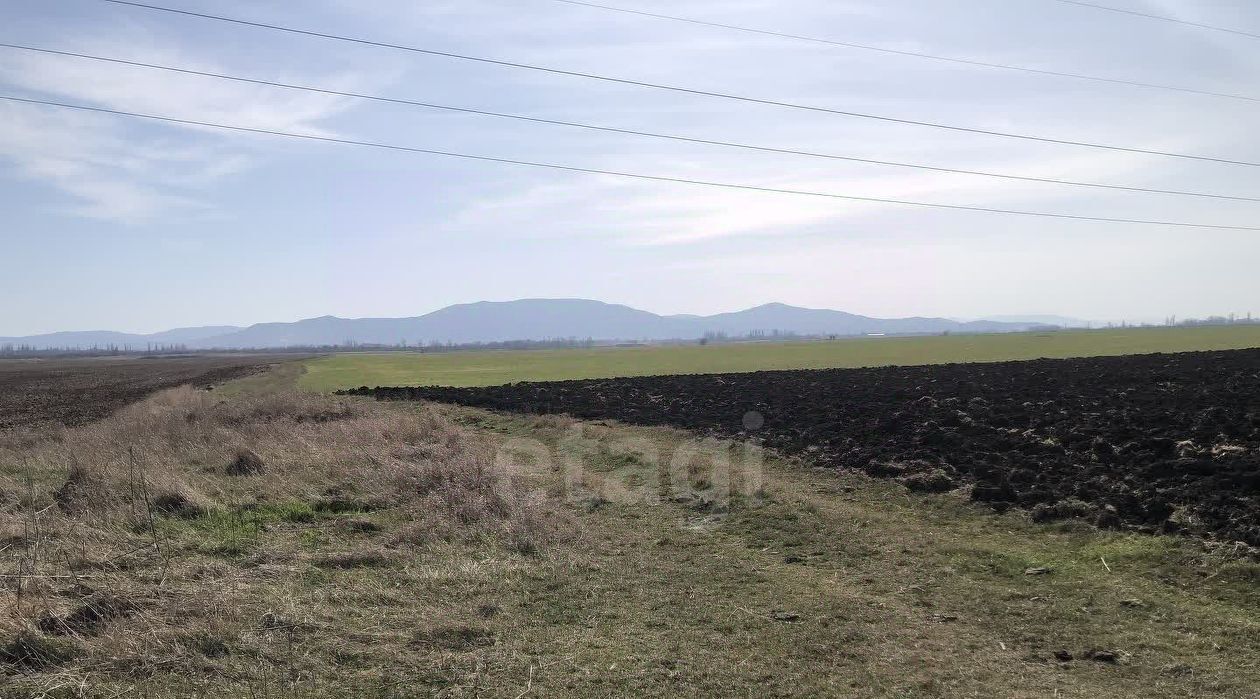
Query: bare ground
[77, 391]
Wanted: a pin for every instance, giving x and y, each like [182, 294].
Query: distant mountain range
[527, 319]
[1061, 321]
[83, 339]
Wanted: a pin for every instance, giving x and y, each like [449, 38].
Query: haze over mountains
[526, 319]
[1044, 319]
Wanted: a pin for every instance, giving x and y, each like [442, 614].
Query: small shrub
[246, 463]
[90, 617]
[84, 491]
[178, 502]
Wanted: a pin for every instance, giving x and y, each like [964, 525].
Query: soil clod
[1148, 442]
[1101, 656]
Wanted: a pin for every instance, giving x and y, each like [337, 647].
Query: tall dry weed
[99, 517]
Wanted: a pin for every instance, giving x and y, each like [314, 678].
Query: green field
[491, 368]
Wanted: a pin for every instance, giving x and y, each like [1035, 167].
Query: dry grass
[166, 540]
[838, 584]
[380, 552]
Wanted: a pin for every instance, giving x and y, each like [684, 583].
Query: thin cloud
[84, 157]
[665, 214]
[125, 172]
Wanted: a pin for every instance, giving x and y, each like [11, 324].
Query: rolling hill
[526, 319]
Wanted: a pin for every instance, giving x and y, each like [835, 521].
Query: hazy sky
[112, 223]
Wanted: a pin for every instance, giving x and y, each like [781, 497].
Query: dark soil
[1158, 442]
[78, 391]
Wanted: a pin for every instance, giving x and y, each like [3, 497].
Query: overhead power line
[630, 175]
[685, 90]
[610, 129]
[1163, 18]
[913, 54]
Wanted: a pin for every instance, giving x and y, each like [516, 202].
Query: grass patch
[236, 531]
[351, 370]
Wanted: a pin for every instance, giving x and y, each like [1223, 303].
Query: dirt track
[1158, 442]
[78, 391]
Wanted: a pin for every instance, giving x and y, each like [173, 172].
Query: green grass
[491, 368]
[237, 531]
[893, 595]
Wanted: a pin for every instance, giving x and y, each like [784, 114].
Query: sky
[122, 224]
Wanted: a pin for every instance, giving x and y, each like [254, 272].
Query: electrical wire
[630, 175]
[610, 129]
[913, 54]
[684, 90]
[1162, 18]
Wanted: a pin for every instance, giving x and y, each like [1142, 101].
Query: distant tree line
[1230, 319]
[1172, 322]
[440, 346]
[10, 349]
[350, 345]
